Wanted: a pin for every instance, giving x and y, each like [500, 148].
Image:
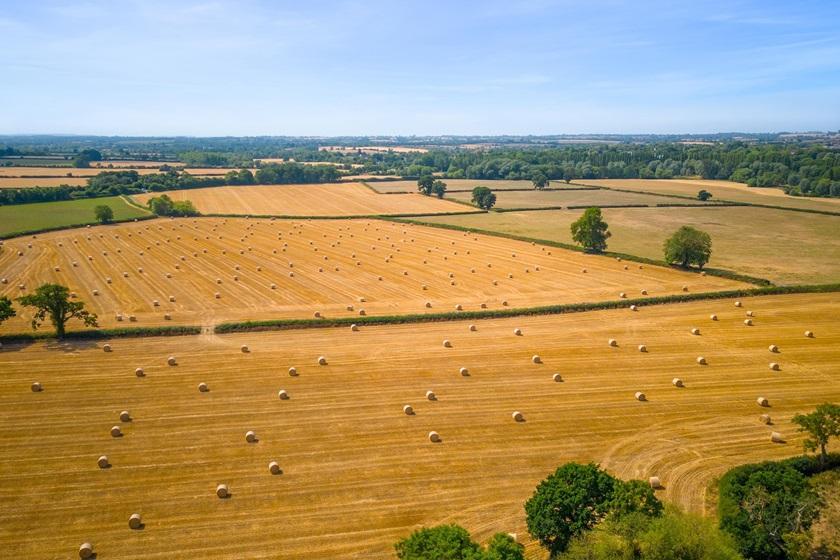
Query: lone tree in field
[425, 184]
[439, 188]
[570, 501]
[704, 195]
[53, 300]
[591, 231]
[6, 309]
[164, 206]
[688, 246]
[539, 180]
[483, 198]
[104, 214]
[821, 425]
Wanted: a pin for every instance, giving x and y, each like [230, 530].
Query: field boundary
[14, 234]
[286, 324]
[560, 245]
[96, 334]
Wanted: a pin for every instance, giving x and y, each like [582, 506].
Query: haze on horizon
[252, 67]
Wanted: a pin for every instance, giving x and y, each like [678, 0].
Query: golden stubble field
[336, 199]
[358, 473]
[264, 269]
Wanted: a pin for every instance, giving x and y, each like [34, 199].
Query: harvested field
[28, 182]
[344, 199]
[29, 217]
[344, 443]
[565, 198]
[304, 272]
[721, 190]
[454, 185]
[136, 163]
[782, 246]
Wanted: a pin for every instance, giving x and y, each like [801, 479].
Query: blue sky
[250, 67]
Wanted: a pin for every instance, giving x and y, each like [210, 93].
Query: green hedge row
[282, 324]
[71, 226]
[560, 245]
[94, 334]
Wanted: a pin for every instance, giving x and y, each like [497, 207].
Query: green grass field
[554, 198]
[29, 217]
[782, 246]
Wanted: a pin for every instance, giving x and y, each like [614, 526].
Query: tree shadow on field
[15, 345]
[69, 346]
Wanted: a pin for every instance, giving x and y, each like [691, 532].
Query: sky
[424, 67]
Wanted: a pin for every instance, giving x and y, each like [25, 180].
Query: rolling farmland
[358, 473]
[320, 266]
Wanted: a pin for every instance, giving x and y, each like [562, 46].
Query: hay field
[782, 246]
[722, 190]
[358, 473]
[555, 198]
[453, 185]
[300, 258]
[335, 199]
[29, 217]
[28, 182]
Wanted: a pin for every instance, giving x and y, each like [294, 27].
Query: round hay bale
[222, 491]
[713, 317]
[217, 295]
[36, 387]
[504, 303]
[459, 307]
[750, 314]
[773, 348]
[642, 348]
[517, 331]
[434, 437]
[737, 304]
[273, 286]
[349, 308]
[748, 322]
[612, 342]
[428, 305]
[95, 292]
[776, 437]
[116, 431]
[695, 331]
[132, 318]
[701, 360]
[155, 303]
[536, 359]
[583, 270]
[408, 410]
[762, 401]
[203, 388]
[447, 344]
[106, 347]
[775, 366]
[644, 292]
[473, 328]
[622, 295]
[677, 382]
[322, 361]
[765, 419]
[317, 314]
[250, 436]
[274, 468]
[640, 396]
[626, 267]
[283, 395]
[430, 395]
[167, 317]
[685, 288]
[464, 371]
[293, 371]
[633, 308]
[362, 312]
[172, 361]
[102, 462]
[125, 416]
[139, 372]
[354, 327]
[244, 348]
[655, 483]
[86, 549]
[135, 521]
[517, 416]
[557, 378]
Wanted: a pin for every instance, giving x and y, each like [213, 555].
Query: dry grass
[453, 184]
[22, 183]
[555, 198]
[722, 190]
[350, 199]
[358, 472]
[329, 291]
[785, 247]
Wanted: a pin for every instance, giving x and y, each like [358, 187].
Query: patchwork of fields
[264, 269]
[344, 199]
[358, 473]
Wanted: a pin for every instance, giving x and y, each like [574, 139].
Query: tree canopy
[6, 309]
[591, 231]
[688, 246]
[53, 301]
[104, 213]
[452, 542]
[820, 426]
[483, 198]
[164, 206]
